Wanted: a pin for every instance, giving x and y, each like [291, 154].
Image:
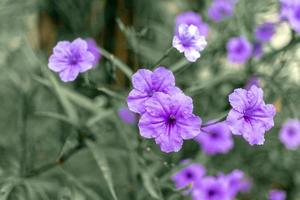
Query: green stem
[122, 66]
[165, 55]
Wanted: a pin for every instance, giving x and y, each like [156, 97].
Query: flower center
[291, 132]
[189, 175]
[73, 60]
[212, 193]
[171, 120]
[214, 135]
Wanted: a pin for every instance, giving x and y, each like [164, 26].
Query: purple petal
[170, 142]
[69, 74]
[162, 78]
[141, 80]
[190, 127]
[157, 105]
[150, 126]
[136, 101]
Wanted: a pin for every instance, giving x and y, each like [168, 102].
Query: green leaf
[56, 116]
[103, 166]
[149, 186]
[5, 190]
[122, 66]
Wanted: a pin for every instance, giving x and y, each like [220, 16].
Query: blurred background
[42, 119]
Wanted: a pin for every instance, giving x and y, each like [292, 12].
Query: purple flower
[220, 10]
[215, 138]
[239, 50]
[169, 119]
[264, 32]
[191, 18]
[290, 134]
[191, 174]
[93, 48]
[277, 195]
[257, 50]
[146, 83]
[212, 188]
[189, 41]
[253, 80]
[294, 17]
[286, 8]
[71, 58]
[127, 116]
[250, 116]
[237, 182]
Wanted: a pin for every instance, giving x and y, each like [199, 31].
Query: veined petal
[191, 54]
[69, 74]
[189, 128]
[141, 80]
[136, 101]
[151, 127]
[162, 78]
[170, 141]
[238, 99]
[158, 104]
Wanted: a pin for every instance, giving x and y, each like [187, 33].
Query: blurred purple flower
[146, 83]
[264, 32]
[286, 7]
[191, 18]
[250, 116]
[127, 116]
[189, 41]
[93, 48]
[221, 9]
[215, 138]
[294, 17]
[212, 188]
[237, 182]
[169, 119]
[253, 80]
[257, 50]
[276, 194]
[191, 174]
[290, 134]
[71, 58]
[239, 50]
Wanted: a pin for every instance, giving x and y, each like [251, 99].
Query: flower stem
[165, 55]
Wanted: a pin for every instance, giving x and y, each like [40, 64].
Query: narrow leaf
[103, 166]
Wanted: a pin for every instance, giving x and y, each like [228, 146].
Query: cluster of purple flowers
[190, 33]
[221, 9]
[239, 49]
[202, 187]
[290, 11]
[71, 58]
[166, 112]
[215, 138]
[290, 134]
[276, 194]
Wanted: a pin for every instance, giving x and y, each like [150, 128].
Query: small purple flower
[146, 83]
[189, 41]
[290, 134]
[257, 50]
[191, 18]
[250, 116]
[237, 182]
[93, 48]
[220, 10]
[239, 50]
[212, 188]
[191, 174]
[264, 32]
[71, 58]
[294, 17]
[215, 138]
[253, 80]
[276, 194]
[127, 116]
[169, 119]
